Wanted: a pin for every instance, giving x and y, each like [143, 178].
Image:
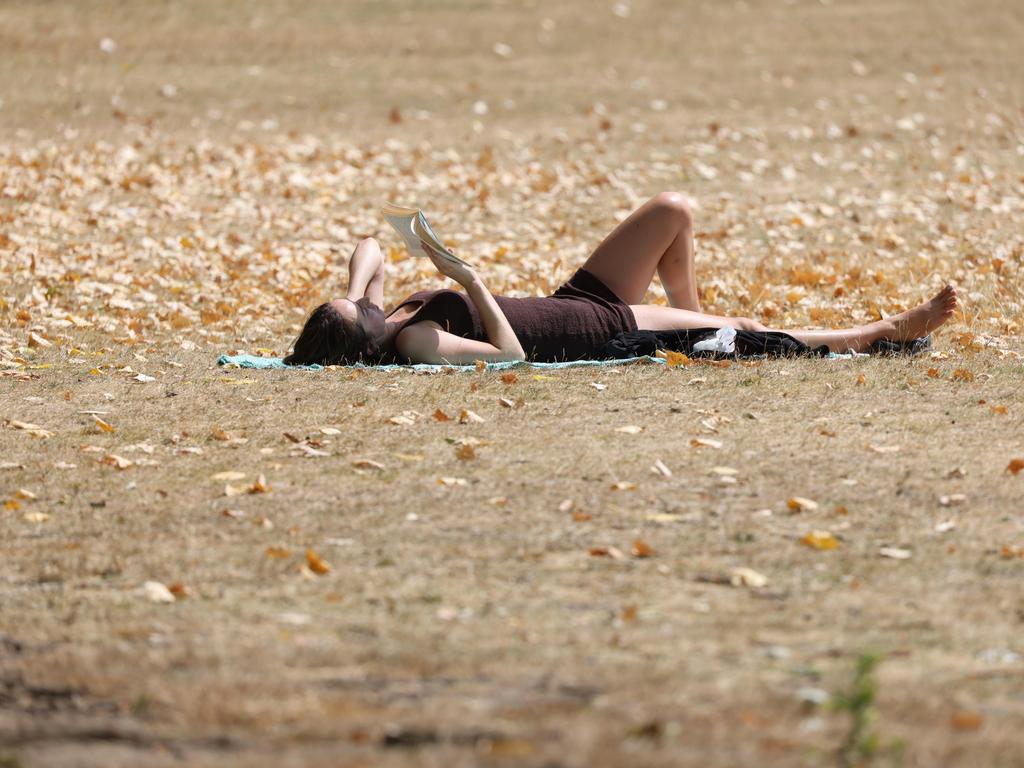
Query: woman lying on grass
[600, 301]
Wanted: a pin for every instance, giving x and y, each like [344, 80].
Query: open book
[412, 225]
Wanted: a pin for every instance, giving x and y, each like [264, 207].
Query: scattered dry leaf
[622, 485]
[113, 460]
[895, 553]
[705, 442]
[367, 464]
[179, 590]
[156, 592]
[801, 504]
[883, 448]
[966, 721]
[222, 477]
[260, 486]
[33, 429]
[820, 540]
[102, 425]
[675, 359]
[660, 468]
[316, 564]
[38, 342]
[747, 577]
[642, 549]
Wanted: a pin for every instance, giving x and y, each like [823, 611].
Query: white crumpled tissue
[723, 341]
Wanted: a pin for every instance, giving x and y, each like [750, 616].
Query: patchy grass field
[179, 180]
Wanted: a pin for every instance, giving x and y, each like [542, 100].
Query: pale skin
[656, 238]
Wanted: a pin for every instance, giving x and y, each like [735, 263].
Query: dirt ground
[627, 565]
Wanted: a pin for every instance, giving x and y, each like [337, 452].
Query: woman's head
[339, 332]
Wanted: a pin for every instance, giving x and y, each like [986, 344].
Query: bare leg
[912, 324]
[658, 236]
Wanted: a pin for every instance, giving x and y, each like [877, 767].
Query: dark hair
[327, 338]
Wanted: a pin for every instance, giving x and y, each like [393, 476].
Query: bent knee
[747, 324]
[676, 205]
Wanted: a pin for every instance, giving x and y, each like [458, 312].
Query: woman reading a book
[602, 299]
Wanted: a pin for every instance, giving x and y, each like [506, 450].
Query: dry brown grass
[489, 621]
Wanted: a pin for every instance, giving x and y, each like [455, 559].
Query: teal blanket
[252, 361]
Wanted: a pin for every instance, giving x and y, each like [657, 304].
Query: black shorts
[586, 285]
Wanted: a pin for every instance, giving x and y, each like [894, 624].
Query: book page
[401, 220]
[423, 229]
[413, 226]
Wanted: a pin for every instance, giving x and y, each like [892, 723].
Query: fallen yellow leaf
[260, 486]
[642, 549]
[316, 564]
[966, 721]
[468, 417]
[705, 442]
[102, 425]
[820, 540]
[800, 504]
[113, 460]
[675, 359]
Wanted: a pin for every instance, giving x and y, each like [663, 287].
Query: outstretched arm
[366, 273]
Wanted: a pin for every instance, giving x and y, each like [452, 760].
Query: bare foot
[922, 319]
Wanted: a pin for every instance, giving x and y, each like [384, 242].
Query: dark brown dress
[573, 323]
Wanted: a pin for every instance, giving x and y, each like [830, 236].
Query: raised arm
[366, 273]
[427, 343]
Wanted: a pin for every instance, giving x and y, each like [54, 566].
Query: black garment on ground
[748, 344]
